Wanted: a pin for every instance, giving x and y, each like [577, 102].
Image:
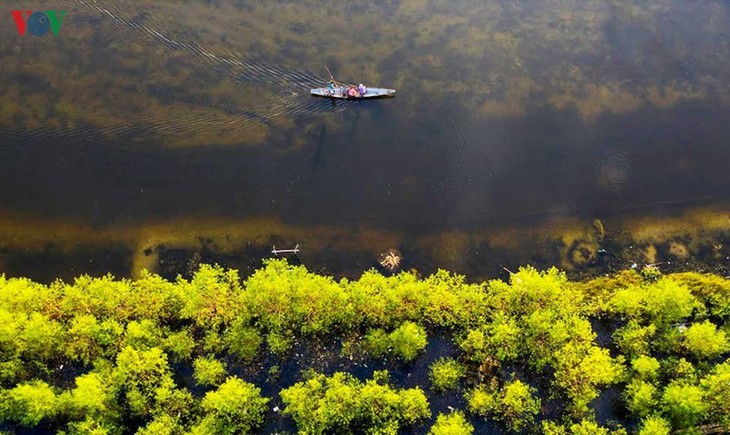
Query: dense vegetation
[109, 356]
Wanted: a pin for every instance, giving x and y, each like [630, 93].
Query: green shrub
[483, 401]
[641, 398]
[42, 338]
[679, 370]
[385, 302]
[413, 404]
[142, 378]
[514, 404]
[282, 297]
[341, 403]
[211, 298]
[408, 340]
[92, 426]
[667, 301]
[713, 290]
[21, 295]
[449, 301]
[213, 342]
[405, 342]
[235, 407]
[552, 428]
[208, 371]
[452, 424]
[587, 427]
[535, 316]
[279, 343]
[11, 348]
[717, 394]
[177, 403]
[91, 397]
[243, 341]
[87, 339]
[684, 404]
[445, 374]
[505, 337]
[668, 341]
[704, 341]
[654, 425]
[518, 405]
[475, 345]
[646, 367]
[662, 302]
[28, 403]
[581, 369]
[81, 339]
[142, 335]
[178, 345]
[162, 425]
[530, 290]
[633, 339]
[152, 297]
[377, 343]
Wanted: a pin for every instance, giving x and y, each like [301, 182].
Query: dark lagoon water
[163, 134]
[587, 134]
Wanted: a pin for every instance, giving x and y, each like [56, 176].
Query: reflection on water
[512, 119]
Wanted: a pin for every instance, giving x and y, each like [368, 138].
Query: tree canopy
[106, 355]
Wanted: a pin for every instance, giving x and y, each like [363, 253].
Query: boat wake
[242, 71]
[179, 126]
[287, 90]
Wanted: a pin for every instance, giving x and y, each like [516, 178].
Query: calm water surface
[142, 116]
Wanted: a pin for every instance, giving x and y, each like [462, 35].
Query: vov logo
[38, 23]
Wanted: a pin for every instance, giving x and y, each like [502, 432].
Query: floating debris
[391, 260]
[285, 251]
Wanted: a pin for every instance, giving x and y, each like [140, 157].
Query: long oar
[330, 73]
[333, 78]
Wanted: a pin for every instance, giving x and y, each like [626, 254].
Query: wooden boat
[346, 91]
[341, 92]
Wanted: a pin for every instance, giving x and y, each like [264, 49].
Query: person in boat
[331, 85]
[351, 93]
[361, 89]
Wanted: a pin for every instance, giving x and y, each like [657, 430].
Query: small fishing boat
[345, 91]
[352, 93]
